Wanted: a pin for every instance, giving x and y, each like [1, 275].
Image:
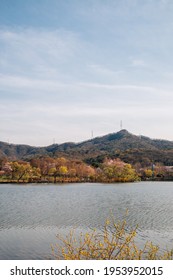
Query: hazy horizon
[68, 68]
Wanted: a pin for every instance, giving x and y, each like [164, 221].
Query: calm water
[32, 215]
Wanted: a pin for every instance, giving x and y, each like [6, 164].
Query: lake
[32, 214]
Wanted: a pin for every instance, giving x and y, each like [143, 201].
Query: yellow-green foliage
[113, 243]
[118, 171]
[148, 173]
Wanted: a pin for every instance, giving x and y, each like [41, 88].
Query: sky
[73, 69]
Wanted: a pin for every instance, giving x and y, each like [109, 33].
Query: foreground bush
[113, 243]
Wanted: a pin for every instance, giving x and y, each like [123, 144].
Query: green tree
[20, 171]
[118, 171]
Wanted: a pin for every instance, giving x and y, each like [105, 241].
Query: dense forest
[117, 157]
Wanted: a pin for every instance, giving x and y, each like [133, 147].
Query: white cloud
[103, 70]
[38, 53]
[20, 82]
[138, 62]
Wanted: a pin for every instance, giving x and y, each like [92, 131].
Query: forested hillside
[124, 145]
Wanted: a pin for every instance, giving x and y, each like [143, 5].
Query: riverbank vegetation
[60, 169]
[114, 242]
[53, 170]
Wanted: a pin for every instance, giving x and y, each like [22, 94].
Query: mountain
[123, 144]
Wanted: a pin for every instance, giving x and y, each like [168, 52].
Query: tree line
[60, 169]
[47, 169]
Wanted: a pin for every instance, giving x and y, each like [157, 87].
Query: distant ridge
[122, 144]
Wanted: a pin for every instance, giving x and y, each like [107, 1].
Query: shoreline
[80, 181]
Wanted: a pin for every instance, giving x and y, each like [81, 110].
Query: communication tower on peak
[121, 125]
[92, 134]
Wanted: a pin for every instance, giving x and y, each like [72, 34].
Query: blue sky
[70, 67]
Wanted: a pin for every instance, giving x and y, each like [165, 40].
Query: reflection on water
[32, 215]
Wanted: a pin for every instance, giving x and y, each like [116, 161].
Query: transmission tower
[121, 125]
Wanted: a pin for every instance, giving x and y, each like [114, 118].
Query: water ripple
[31, 215]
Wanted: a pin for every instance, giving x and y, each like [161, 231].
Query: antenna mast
[121, 124]
[92, 134]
